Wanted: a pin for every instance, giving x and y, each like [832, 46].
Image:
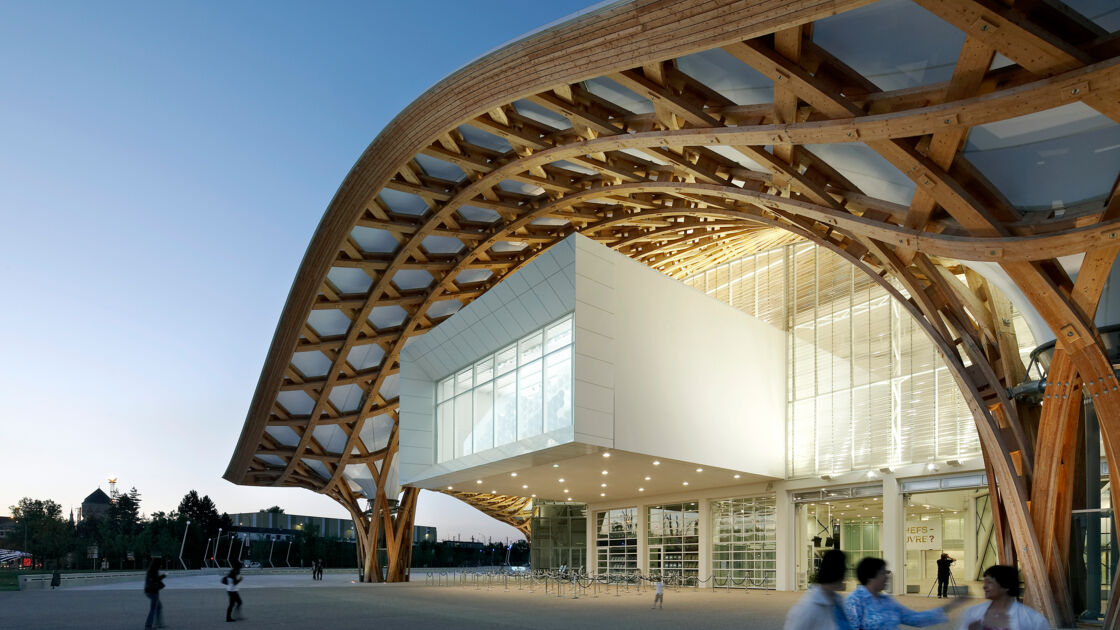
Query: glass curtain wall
[616, 540]
[522, 390]
[744, 543]
[866, 387]
[559, 536]
[674, 540]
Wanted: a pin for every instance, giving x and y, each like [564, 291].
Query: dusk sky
[162, 169]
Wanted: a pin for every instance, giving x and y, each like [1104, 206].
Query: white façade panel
[694, 379]
[529, 299]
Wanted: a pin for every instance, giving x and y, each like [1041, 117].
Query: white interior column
[705, 533]
[892, 535]
[592, 550]
[643, 542]
[785, 539]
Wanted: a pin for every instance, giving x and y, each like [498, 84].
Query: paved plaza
[337, 602]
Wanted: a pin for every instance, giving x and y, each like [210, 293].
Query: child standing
[659, 593]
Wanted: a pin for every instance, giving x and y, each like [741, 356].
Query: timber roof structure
[910, 137]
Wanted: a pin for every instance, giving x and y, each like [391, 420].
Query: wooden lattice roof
[685, 134]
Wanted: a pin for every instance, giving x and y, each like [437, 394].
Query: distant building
[282, 526]
[95, 505]
[7, 526]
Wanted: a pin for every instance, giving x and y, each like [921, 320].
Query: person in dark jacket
[231, 580]
[153, 583]
[943, 575]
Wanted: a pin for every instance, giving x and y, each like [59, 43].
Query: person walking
[659, 592]
[822, 608]
[231, 580]
[869, 608]
[943, 575]
[1002, 610]
[153, 584]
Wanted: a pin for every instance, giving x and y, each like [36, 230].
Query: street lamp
[229, 551]
[270, 548]
[286, 554]
[184, 544]
[217, 543]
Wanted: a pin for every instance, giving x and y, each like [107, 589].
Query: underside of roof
[684, 135]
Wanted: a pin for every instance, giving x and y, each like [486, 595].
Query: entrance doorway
[852, 524]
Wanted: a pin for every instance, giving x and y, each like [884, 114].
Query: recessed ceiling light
[606, 454]
[737, 476]
[699, 470]
[602, 485]
[656, 463]
[686, 483]
[513, 474]
[533, 495]
[493, 492]
[641, 489]
[561, 480]
[602, 494]
[556, 465]
[569, 498]
[604, 472]
[847, 506]
[565, 491]
[479, 481]
[647, 477]
[524, 485]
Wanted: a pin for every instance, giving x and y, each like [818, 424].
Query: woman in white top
[822, 607]
[1003, 611]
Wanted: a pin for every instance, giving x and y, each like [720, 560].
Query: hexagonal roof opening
[349, 279]
[471, 276]
[328, 322]
[311, 364]
[407, 279]
[367, 356]
[382, 317]
[374, 240]
[442, 245]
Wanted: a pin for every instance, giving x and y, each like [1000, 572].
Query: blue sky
[162, 168]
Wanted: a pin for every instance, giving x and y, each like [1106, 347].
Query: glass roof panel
[735, 80]
[375, 432]
[296, 402]
[895, 43]
[406, 279]
[470, 276]
[1058, 158]
[367, 356]
[550, 221]
[331, 437]
[484, 139]
[359, 474]
[436, 167]
[612, 91]
[284, 436]
[311, 364]
[442, 245]
[737, 157]
[402, 202]
[319, 467]
[349, 279]
[386, 316]
[390, 387]
[868, 170]
[1105, 13]
[502, 247]
[575, 168]
[544, 116]
[522, 188]
[479, 215]
[328, 322]
[274, 460]
[374, 240]
[346, 398]
[443, 308]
